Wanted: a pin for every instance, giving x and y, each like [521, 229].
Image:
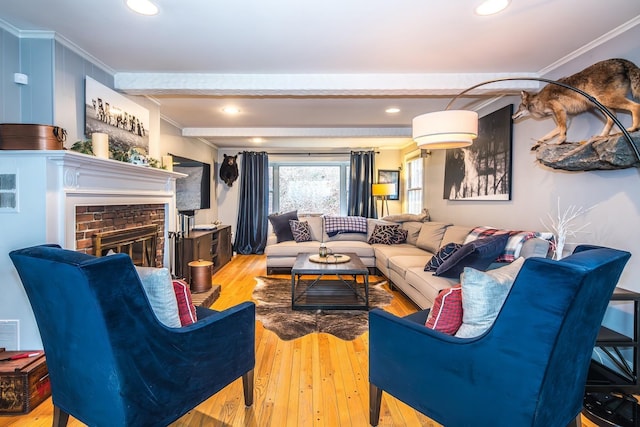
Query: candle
[167, 163]
[100, 145]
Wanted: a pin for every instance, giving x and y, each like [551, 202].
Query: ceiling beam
[437, 84]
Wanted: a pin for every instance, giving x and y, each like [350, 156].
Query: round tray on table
[330, 259]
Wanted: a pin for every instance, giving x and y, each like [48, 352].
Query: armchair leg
[60, 417]
[375, 399]
[247, 385]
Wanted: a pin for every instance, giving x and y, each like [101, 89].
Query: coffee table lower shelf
[328, 295]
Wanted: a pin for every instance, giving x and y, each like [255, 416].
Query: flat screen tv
[193, 192]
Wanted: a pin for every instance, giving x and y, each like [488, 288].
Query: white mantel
[50, 184]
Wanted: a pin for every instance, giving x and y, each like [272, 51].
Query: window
[414, 185]
[308, 188]
[8, 192]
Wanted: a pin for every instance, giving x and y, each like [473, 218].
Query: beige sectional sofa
[402, 264]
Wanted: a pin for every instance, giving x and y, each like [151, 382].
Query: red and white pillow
[446, 314]
[186, 309]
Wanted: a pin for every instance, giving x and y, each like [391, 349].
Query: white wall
[614, 222]
[172, 141]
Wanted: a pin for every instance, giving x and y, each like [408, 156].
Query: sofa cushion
[413, 231]
[384, 234]
[439, 258]
[362, 249]
[300, 230]
[316, 225]
[431, 235]
[427, 284]
[455, 234]
[291, 248]
[483, 294]
[281, 226]
[446, 314]
[478, 254]
[158, 287]
[384, 253]
[186, 309]
[401, 263]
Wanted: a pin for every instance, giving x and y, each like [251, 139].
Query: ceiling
[309, 74]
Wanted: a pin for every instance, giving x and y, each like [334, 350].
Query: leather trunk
[20, 136]
[25, 383]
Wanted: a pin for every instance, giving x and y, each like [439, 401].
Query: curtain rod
[314, 154]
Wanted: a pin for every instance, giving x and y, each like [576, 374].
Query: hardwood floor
[316, 380]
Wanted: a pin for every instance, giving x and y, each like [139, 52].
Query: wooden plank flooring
[317, 380]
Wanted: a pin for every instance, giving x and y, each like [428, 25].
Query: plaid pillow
[446, 314]
[300, 230]
[445, 252]
[186, 309]
[384, 233]
[344, 224]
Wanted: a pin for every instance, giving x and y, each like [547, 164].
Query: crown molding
[592, 45]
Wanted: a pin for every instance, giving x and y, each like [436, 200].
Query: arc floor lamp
[458, 128]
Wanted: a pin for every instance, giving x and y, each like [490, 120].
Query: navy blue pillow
[281, 226]
[478, 254]
[438, 259]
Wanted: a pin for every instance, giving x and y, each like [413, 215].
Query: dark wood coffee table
[331, 286]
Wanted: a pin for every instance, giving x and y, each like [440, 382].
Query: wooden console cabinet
[206, 245]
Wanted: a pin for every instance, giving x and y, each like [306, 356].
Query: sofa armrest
[535, 247]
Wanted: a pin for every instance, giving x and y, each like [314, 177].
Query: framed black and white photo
[390, 177]
[482, 171]
[107, 111]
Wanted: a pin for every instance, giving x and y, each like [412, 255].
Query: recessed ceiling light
[392, 110]
[230, 110]
[490, 7]
[143, 7]
[257, 140]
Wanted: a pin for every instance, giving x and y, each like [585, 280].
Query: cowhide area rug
[273, 309]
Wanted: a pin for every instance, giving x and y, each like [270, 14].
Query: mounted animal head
[229, 170]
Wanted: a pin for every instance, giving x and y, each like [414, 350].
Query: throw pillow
[400, 236]
[446, 314]
[186, 309]
[384, 233]
[281, 227]
[478, 254]
[158, 286]
[300, 230]
[438, 259]
[483, 294]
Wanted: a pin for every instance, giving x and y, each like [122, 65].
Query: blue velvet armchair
[528, 369]
[110, 361]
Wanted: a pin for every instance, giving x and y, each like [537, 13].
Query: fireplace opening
[138, 230]
[138, 242]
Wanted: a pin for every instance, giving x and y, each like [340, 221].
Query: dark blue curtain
[253, 209]
[361, 202]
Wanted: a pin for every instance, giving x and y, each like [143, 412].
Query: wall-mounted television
[193, 192]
